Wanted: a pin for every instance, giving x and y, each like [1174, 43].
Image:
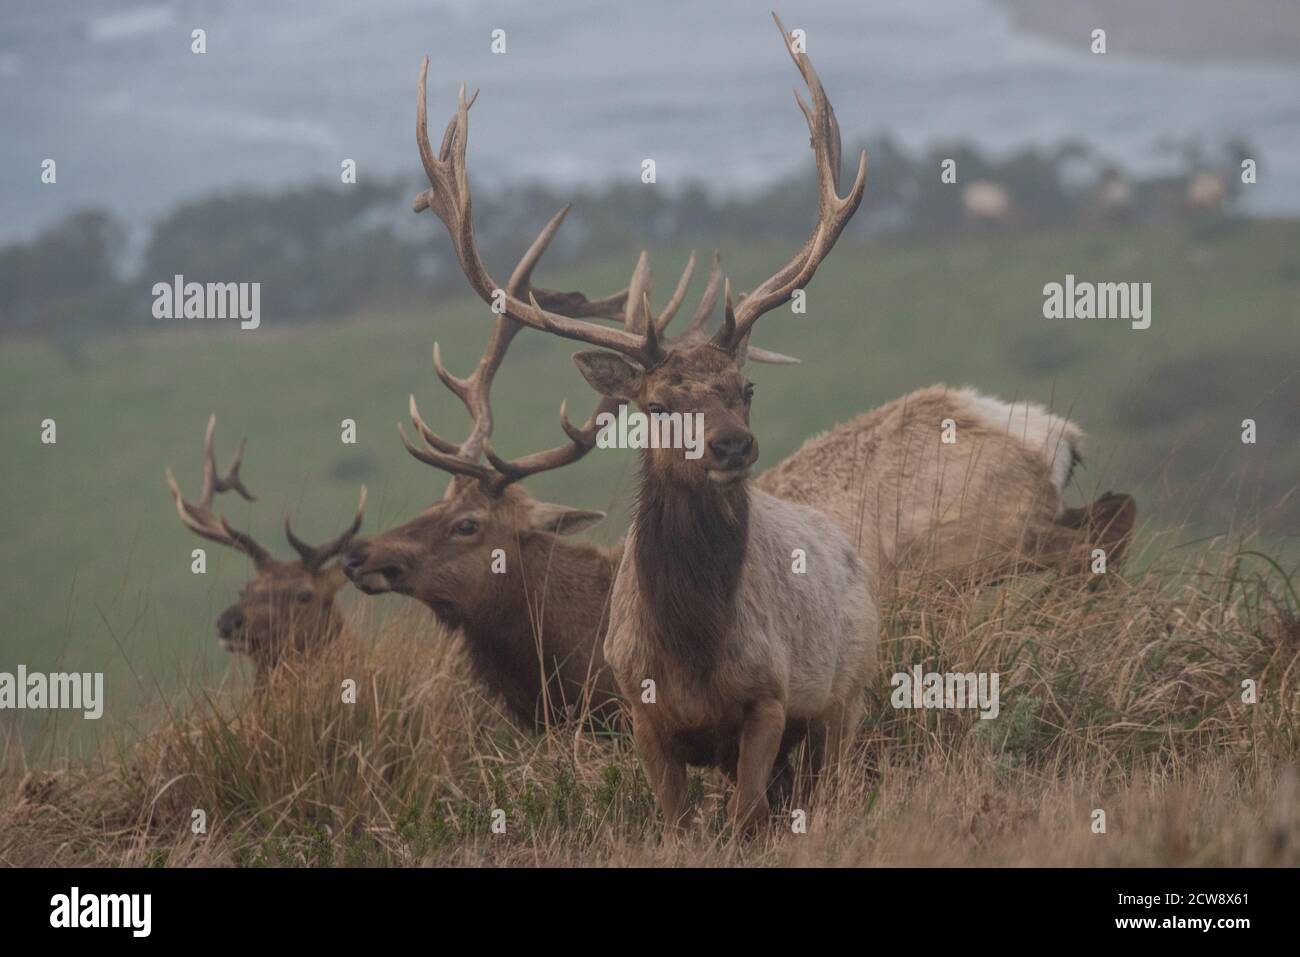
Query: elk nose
[353, 560]
[230, 622]
[732, 450]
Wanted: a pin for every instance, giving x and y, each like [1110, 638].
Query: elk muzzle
[731, 454]
[374, 577]
[230, 628]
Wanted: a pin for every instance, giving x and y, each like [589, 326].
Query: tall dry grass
[1125, 695]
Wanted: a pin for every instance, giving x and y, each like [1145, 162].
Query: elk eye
[657, 409]
[305, 595]
[466, 526]
[749, 392]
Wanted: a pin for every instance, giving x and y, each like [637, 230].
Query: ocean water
[586, 91]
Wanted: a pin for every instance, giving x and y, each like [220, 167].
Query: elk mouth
[729, 476]
[233, 643]
[375, 581]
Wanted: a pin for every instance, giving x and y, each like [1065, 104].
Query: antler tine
[198, 516]
[679, 295]
[446, 461]
[833, 212]
[694, 332]
[448, 196]
[214, 481]
[695, 329]
[581, 441]
[638, 291]
[314, 557]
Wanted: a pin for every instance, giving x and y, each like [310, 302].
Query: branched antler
[448, 195]
[475, 390]
[314, 557]
[198, 516]
[833, 212]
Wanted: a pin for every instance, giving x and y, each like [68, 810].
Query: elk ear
[609, 374]
[560, 519]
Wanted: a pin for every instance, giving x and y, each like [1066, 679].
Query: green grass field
[96, 567]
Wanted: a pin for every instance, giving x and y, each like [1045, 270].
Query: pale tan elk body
[806, 640]
[973, 510]
[287, 608]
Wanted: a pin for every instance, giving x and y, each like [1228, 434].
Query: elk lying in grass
[984, 506]
[746, 654]
[287, 607]
[531, 630]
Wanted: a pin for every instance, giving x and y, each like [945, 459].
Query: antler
[475, 390]
[198, 516]
[694, 332]
[449, 197]
[833, 212]
[315, 557]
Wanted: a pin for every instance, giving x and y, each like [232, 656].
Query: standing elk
[287, 608]
[738, 655]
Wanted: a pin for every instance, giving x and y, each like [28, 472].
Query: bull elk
[531, 632]
[287, 608]
[746, 656]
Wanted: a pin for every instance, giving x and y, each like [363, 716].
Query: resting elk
[287, 608]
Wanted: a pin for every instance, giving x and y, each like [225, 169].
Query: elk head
[706, 377]
[287, 606]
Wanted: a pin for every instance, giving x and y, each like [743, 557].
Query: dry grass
[1124, 696]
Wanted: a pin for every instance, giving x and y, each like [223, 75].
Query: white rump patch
[1057, 439]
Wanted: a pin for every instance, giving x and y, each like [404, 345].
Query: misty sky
[587, 89]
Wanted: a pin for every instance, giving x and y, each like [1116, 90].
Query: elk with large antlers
[531, 631]
[287, 607]
[727, 654]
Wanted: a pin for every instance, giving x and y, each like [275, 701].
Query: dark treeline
[325, 250]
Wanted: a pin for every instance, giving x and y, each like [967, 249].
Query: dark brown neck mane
[690, 548]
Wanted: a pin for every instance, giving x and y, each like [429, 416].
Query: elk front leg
[666, 773]
[760, 741]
